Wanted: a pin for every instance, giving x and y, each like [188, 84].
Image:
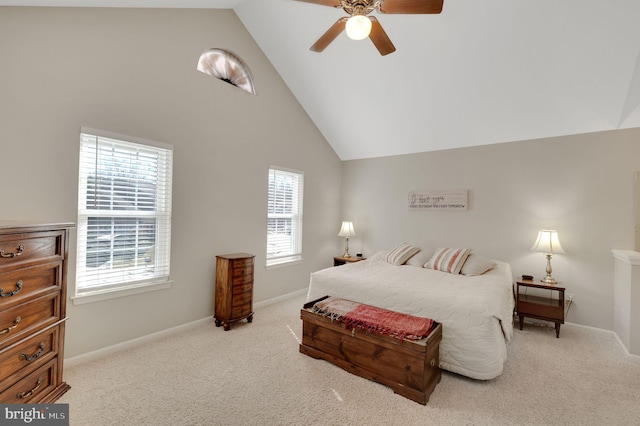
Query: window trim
[114, 293]
[292, 259]
[143, 285]
[283, 264]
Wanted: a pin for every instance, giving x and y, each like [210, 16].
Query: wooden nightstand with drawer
[548, 308]
[32, 312]
[341, 260]
[234, 289]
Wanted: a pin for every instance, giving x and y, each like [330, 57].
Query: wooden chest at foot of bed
[409, 367]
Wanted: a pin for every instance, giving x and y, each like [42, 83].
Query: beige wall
[581, 185]
[133, 72]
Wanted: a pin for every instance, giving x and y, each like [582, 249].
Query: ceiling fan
[359, 25]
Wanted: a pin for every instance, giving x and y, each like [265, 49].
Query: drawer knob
[35, 356]
[23, 395]
[11, 293]
[12, 254]
[15, 324]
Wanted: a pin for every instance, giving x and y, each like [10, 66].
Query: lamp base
[549, 279]
[346, 254]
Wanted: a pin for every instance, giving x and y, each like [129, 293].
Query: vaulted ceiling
[481, 72]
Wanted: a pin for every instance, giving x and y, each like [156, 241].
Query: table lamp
[347, 231]
[548, 243]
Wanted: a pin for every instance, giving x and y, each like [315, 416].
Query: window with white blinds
[124, 212]
[284, 217]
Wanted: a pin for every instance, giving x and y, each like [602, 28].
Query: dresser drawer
[22, 248]
[243, 288]
[29, 353]
[242, 279]
[241, 311]
[243, 272]
[34, 386]
[240, 263]
[241, 299]
[19, 321]
[22, 284]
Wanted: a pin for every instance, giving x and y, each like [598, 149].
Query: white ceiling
[481, 72]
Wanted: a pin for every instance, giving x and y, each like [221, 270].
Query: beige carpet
[254, 375]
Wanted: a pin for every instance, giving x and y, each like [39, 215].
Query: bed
[476, 312]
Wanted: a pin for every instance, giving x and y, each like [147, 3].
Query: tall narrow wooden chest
[33, 294]
[234, 289]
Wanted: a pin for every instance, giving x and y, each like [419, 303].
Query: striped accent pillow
[401, 253]
[448, 260]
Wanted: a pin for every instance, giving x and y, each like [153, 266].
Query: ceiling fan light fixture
[358, 27]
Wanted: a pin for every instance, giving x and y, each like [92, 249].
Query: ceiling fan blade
[410, 6]
[330, 35]
[380, 38]
[332, 3]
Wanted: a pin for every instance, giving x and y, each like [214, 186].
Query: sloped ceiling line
[632, 102]
[457, 77]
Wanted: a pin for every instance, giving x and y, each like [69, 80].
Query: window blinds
[124, 212]
[284, 220]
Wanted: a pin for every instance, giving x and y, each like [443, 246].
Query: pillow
[477, 265]
[420, 258]
[401, 253]
[448, 260]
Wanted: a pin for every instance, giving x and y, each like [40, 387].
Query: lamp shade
[547, 242]
[347, 230]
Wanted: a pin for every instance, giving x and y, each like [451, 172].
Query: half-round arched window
[226, 66]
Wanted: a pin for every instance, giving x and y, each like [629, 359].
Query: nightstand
[340, 260]
[539, 306]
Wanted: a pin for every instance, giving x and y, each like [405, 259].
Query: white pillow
[448, 260]
[477, 265]
[401, 253]
[420, 258]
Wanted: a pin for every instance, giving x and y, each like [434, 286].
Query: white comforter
[476, 312]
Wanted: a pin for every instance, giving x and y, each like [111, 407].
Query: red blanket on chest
[373, 319]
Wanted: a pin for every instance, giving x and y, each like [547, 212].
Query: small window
[124, 212]
[284, 218]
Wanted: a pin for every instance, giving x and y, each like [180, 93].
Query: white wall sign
[438, 200]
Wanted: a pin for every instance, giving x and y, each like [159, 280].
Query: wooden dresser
[33, 269]
[234, 288]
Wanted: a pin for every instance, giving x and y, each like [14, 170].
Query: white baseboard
[615, 335]
[101, 353]
[625, 349]
[601, 330]
[280, 298]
